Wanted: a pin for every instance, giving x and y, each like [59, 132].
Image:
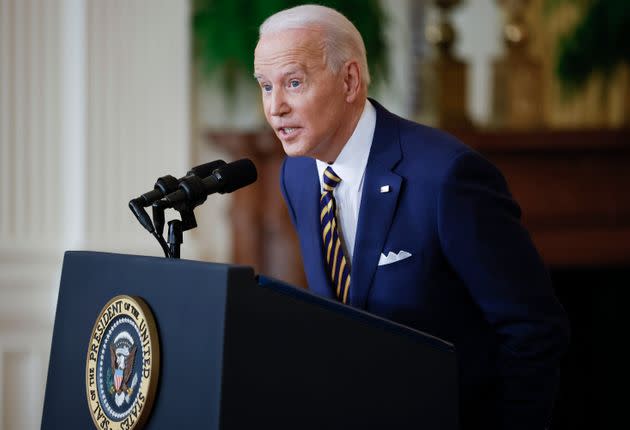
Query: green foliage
[225, 33]
[599, 42]
[551, 5]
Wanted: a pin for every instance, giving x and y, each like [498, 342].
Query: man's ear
[352, 80]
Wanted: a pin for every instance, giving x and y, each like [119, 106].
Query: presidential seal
[122, 367]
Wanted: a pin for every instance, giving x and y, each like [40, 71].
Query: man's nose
[279, 105]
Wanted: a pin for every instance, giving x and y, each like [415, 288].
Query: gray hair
[342, 40]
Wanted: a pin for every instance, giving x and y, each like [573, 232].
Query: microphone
[166, 185]
[193, 191]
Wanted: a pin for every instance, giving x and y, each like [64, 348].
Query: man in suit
[406, 222]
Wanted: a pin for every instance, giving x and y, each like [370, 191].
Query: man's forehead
[300, 48]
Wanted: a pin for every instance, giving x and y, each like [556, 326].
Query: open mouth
[287, 131]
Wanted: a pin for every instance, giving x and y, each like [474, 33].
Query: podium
[239, 351]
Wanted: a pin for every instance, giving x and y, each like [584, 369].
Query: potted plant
[225, 33]
[597, 44]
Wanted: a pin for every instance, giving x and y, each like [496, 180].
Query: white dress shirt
[350, 167]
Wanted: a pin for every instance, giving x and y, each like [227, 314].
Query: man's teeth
[288, 130]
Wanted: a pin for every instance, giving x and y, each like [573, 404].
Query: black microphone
[166, 185]
[193, 191]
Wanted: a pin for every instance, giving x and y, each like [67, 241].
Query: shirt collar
[351, 162]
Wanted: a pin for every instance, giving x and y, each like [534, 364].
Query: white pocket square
[392, 257]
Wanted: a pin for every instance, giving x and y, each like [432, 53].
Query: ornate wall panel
[93, 108]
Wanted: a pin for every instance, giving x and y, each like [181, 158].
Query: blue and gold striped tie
[336, 263]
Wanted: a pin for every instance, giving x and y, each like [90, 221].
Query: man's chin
[293, 149]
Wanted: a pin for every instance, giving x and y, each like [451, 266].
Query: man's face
[304, 101]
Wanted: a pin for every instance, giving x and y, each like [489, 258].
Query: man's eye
[266, 88]
[294, 83]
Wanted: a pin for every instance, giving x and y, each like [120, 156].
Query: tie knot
[330, 179]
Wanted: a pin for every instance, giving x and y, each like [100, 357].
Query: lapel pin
[385, 189]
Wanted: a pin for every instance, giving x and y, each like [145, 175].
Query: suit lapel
[377, 209]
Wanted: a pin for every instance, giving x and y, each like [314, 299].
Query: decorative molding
[94, 106]
[29, 131]
[137, 112]
[22, 369]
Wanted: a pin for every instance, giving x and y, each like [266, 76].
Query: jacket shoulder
[295, 170]
[438, 146]
[420, 145]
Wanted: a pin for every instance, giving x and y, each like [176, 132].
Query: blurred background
[100, 98]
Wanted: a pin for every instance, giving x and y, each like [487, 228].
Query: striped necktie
[338, 267]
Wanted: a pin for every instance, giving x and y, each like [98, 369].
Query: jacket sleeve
[483, 239]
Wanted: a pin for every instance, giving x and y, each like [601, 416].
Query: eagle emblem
[122, 364]
[122, 355]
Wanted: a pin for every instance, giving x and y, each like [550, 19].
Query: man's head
[311, 65]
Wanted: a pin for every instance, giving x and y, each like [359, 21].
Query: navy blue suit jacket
[474, 277]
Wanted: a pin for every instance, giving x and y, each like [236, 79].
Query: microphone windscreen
[205, 170]
[237, 175]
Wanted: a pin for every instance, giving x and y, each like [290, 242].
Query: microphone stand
[176, 228]
[158, 222]
[175, 237]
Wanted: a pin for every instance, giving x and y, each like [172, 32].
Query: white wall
[94, 106]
